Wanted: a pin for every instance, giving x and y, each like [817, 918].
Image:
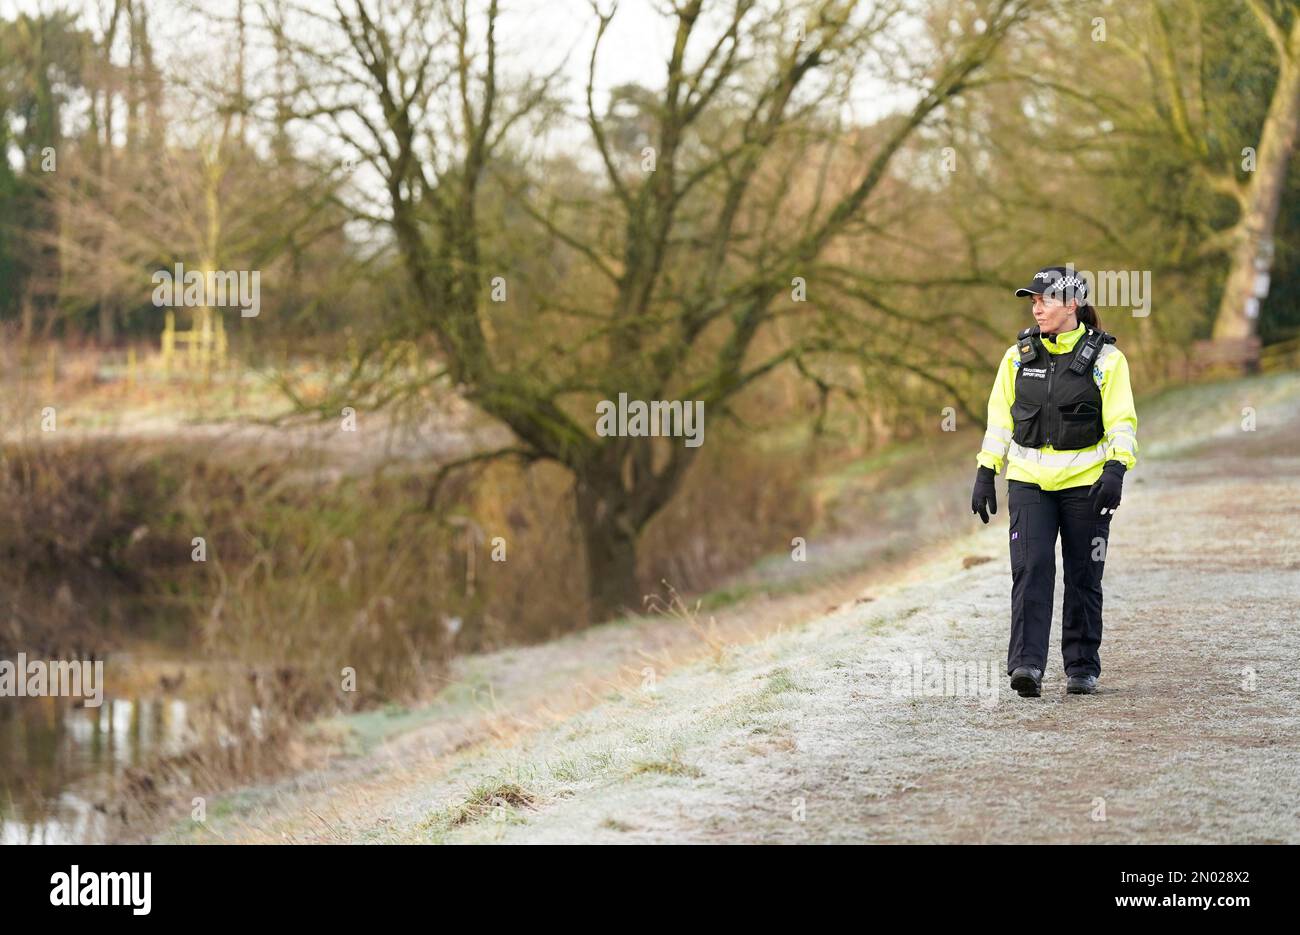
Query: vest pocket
[1080, 426]
[1030, 432]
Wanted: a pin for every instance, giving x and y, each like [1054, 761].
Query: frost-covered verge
[887, 718]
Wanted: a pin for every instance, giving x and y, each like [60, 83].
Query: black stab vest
[1053, 404]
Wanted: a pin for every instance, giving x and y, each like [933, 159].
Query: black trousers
[1037, 516]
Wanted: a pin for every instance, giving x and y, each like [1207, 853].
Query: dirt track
[806, 735]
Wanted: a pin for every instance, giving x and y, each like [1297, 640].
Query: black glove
[984, 495]
[1105, 493]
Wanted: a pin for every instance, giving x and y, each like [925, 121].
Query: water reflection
[58, 760]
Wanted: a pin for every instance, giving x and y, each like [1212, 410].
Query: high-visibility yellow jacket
[1051, 468]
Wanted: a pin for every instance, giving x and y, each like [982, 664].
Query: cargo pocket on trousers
[1017, 542]
[1019, 497]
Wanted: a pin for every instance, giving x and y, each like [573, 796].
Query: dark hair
[1086, 314]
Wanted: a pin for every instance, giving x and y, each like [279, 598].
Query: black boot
[1081, 685]
[1028, 681]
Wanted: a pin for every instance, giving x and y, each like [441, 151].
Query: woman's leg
[1084, 536]
[1034, 524]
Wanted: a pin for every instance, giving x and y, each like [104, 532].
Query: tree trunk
[1238, 315]
[107, 319]
[610, 544]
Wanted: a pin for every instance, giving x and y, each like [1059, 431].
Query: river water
[61, 763]
[58, 761]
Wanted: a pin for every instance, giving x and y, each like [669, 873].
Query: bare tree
[680, 263]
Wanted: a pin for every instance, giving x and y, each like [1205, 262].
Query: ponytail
[1088, 315]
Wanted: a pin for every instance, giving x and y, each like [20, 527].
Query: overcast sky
[536, 33]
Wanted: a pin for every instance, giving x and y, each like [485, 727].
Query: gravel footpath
[889, 719]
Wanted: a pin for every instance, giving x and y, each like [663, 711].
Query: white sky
[533, 36]
[536, 34]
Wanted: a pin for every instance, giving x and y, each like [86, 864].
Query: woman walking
[1061, 418]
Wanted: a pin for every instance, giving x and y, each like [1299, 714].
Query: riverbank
[784, 722]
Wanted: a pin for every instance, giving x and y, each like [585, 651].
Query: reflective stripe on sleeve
[996, 441]
[1127, 442]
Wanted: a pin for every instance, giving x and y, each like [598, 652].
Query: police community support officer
[1061, 416]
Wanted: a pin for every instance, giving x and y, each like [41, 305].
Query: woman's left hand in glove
[1105, 493]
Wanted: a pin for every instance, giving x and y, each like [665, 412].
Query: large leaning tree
[1193, 107]
[1249, 241]
[662, 257]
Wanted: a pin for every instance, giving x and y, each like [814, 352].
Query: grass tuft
[672, 765]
